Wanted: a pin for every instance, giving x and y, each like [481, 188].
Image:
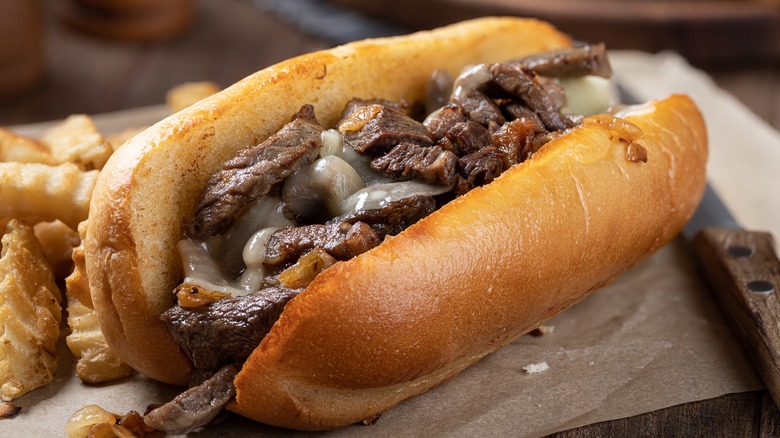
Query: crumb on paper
[542, 330]
[536, 368]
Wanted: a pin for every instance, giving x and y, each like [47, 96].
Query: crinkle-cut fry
[76, 140]
[30, 313]
[38, 192]
[76, 283]
[18, 148]
[188, 93]
[96, 361]
[57, 241]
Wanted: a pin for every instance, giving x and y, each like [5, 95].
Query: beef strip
[466, 138]
[589, 59]
[375, 128]
[469, 92]
[342, 240]
[251, 174]
[480, 168]
[442, 120]
[519, 111]
[197, 406]
[481, 109]
[521, 84]
[395, 216]
[554, 91]
[408, 161]
[227, 330]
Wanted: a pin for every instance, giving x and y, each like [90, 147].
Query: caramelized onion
[306, 269]
[8, 409]
[359, 117]
[190, 295]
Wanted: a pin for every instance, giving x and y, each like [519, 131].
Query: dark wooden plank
[743, 271]
[733, 415]
[769, 420]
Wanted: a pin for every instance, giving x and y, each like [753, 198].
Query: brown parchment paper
[652, 339]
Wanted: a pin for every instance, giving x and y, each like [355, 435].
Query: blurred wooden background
[228, 40]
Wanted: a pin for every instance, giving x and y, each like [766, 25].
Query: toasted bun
[484, 269]
[422, 306]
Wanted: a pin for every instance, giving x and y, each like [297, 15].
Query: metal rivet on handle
[738, 251]
[760, 287]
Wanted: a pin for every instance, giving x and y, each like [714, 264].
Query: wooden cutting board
[705, 31]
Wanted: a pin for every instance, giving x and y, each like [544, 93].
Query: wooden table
[234, 38]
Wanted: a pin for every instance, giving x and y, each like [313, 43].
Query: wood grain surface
[233, 38]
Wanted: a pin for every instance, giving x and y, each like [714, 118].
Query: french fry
[38, 192]
[76, 283]
[96, 362]
[29, 313]
[76, 140]
[15, 147]
[188, 93]
[57, 241]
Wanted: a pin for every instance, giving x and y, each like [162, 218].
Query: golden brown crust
[414, 311]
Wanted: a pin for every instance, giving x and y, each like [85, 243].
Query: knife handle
[744, 273]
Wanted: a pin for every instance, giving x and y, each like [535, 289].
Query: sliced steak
[590, 59]
[373, 129]
[554, 91]
[250, 175]
[227, 330]
[342, 240]
[395, 216]
[197, 406]
[466, 138]
[519, 111]
[480, 168]
[408, 161]
[521, 84]
[481, 109]
[442, 120]
[469, 94]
